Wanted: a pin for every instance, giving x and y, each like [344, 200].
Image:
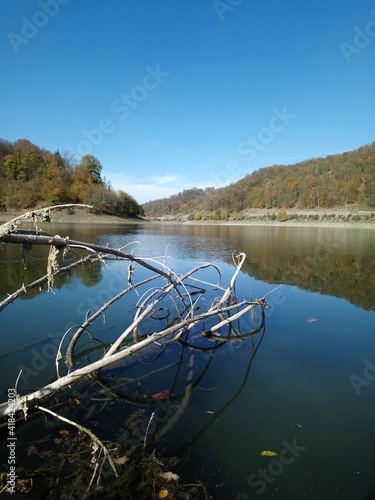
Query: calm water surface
[303, 387]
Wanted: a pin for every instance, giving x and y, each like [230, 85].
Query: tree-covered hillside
[334, 181]
[34, 177]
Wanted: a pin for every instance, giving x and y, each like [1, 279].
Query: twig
[86, 431]
[148, 425]
[241, 259]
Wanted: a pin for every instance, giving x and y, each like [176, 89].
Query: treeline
[177, 203]
[34, 177]
[334, 181]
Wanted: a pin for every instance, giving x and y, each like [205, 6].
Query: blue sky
[171, 94]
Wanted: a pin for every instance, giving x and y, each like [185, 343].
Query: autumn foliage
[34, 177]
[340, 180]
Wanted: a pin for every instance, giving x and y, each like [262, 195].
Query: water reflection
[18, 270]
[331, 261]
[336, 261]
[218, 404]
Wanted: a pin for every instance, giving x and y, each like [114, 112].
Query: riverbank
[331, 218]
[312, 218]
[77, 216]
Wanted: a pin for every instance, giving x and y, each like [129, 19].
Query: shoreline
[338, 217]
[82, 216]
[364, 225]
[79, 216]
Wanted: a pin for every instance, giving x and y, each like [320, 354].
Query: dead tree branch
[83, 429]
[175, 297]
[42, 214]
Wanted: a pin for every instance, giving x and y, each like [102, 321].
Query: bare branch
[59, 242]
[42, 213]
[84, 430]
[41, 281]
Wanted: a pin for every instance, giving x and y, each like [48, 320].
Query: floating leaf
[24, 485]
[311, 320]
[160, 395]
[267, 453]
[163, 493]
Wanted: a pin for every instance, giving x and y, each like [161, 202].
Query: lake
[301, 386]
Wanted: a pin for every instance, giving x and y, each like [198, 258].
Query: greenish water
[303, 386]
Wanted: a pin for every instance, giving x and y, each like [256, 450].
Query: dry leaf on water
[24, 485]
[311, 320]
[267, 453]
[161, 396]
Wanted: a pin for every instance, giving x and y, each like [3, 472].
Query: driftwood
[170, 310]
[183, 291]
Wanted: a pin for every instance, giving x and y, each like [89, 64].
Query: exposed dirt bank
[77, 216]
[331, 218]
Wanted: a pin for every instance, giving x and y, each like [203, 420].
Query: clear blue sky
[173, 94]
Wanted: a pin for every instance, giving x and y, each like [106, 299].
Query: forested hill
[335, 181]
[32, 177]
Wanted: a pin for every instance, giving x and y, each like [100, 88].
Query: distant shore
[310, 218]
[370, 225]
[294, 218]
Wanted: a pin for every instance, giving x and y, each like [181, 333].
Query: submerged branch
[174, 298]
[90, 319]
[85, 430]
[31, 399]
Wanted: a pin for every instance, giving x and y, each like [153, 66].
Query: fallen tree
[175, 297]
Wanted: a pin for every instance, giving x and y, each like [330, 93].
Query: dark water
[303, 386]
